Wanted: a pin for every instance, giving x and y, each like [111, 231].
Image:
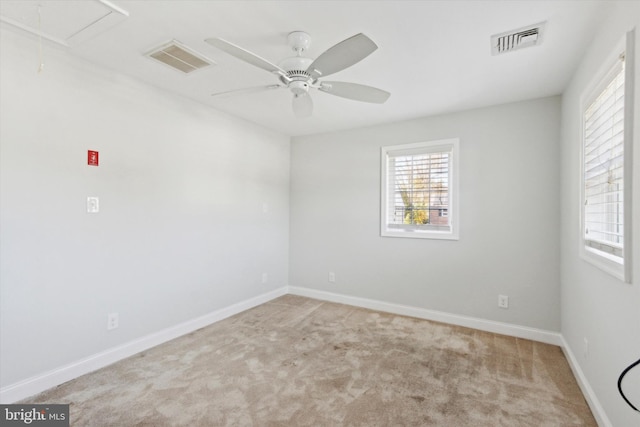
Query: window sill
[414, 234]
[608, 263]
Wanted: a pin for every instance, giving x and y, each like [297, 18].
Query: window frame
[617, 266]
[450, 145]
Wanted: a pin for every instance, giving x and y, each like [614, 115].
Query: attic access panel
[65, 22]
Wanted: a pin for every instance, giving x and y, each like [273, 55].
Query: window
[606, 171]
[419, 190]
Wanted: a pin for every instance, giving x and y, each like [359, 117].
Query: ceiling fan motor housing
[299, 80]
[295, 63]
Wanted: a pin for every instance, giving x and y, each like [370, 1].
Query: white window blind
[604, 166]
[419, 185]
[418, 190]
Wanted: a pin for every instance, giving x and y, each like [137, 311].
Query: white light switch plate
[93, 205]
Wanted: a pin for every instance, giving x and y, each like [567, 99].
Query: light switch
[93, 205]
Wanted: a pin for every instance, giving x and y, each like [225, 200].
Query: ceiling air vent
[180, 57]
[531, 35]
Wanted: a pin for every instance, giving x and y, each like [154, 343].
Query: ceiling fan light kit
[299, 74]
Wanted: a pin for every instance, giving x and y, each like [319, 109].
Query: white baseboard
[596, 408]
[42, 382]
[438, 316]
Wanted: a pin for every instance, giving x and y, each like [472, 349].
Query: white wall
[181, 231]
[509, 219]
[595, 305]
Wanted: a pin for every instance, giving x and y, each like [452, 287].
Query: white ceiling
[433, 56]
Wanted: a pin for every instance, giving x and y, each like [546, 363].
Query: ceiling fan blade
[246, 56]
[302, 105]
[343, 55]
[355, 91]
[246, 90]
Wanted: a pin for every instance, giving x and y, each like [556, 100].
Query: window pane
[603, 168]
[420, 189]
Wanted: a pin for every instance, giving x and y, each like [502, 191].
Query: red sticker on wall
[92, 158]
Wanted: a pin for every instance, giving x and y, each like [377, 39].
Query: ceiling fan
[300, 74]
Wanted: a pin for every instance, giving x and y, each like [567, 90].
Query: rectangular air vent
[517, 39]
[180, 57]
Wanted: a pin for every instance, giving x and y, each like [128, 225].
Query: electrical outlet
[503, 301]
[112, 321]
[332, 277]
[265, 277]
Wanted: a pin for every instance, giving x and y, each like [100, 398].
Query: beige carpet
[301, 362]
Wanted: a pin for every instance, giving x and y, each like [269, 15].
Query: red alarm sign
[92, 158]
